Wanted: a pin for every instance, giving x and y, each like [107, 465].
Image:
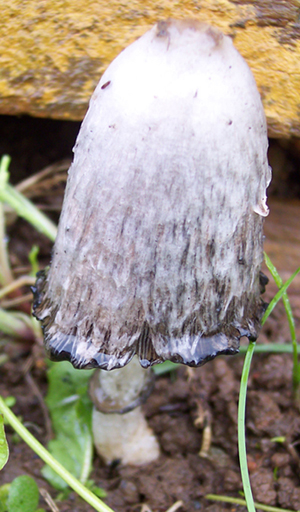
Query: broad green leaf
[4, 490]
[4, 452]
[71, 412]
[23, 495]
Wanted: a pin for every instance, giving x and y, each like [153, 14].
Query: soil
[188, 404]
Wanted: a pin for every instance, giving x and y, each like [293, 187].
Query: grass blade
[238, 501]
[241, 428]
[22, 205]
[278, 296]
[77, 486]
[290, 317]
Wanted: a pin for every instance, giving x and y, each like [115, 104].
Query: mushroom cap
[160, 239]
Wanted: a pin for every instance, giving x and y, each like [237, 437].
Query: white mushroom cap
[160, 239]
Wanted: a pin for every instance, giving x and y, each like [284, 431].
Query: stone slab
[52, 53]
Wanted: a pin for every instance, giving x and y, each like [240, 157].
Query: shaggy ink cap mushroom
[160, 239]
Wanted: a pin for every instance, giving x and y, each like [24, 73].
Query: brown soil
[180, 406]
[175, 404]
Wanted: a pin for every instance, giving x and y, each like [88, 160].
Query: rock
[52, 55]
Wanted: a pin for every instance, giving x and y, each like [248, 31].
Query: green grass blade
[77, 486]
[278, 296]
[238, 501]
[22, 205]
[241, 428]
[290, 318]
[28, 211]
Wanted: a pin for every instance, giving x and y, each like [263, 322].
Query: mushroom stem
[119, 427]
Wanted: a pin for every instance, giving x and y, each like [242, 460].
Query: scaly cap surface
[160, 238]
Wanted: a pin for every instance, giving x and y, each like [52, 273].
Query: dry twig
[49, 500]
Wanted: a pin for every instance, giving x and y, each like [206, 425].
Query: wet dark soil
[186, 405]
[178, 400]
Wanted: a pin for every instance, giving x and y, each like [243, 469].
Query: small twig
[33, 426]
[17, 283]
[206, 441]
[293, 452]
[175, 507]
[21, 270]
[30, 381]
[28, 183]
[203, 422]
[49, 500]
[10, 303]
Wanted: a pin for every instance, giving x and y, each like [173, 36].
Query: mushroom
[160, 240]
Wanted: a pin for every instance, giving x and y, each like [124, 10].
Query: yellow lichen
[53, 53]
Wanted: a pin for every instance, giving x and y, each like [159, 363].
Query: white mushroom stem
[120, 435]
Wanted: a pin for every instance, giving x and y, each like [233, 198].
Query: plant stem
[241, 428]
[238, 501]
[77, 486]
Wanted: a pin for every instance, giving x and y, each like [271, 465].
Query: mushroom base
[124, 437]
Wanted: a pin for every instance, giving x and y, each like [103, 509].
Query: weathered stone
[53, 53]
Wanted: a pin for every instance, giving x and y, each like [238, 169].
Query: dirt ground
[185, 401]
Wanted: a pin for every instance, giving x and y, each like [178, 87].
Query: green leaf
[10, 401]
[71, 413]
[166, 367]
[4, 490]
[4, 452]
[101, 493]
[23, 495]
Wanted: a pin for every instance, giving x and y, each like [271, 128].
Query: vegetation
[69, 458]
